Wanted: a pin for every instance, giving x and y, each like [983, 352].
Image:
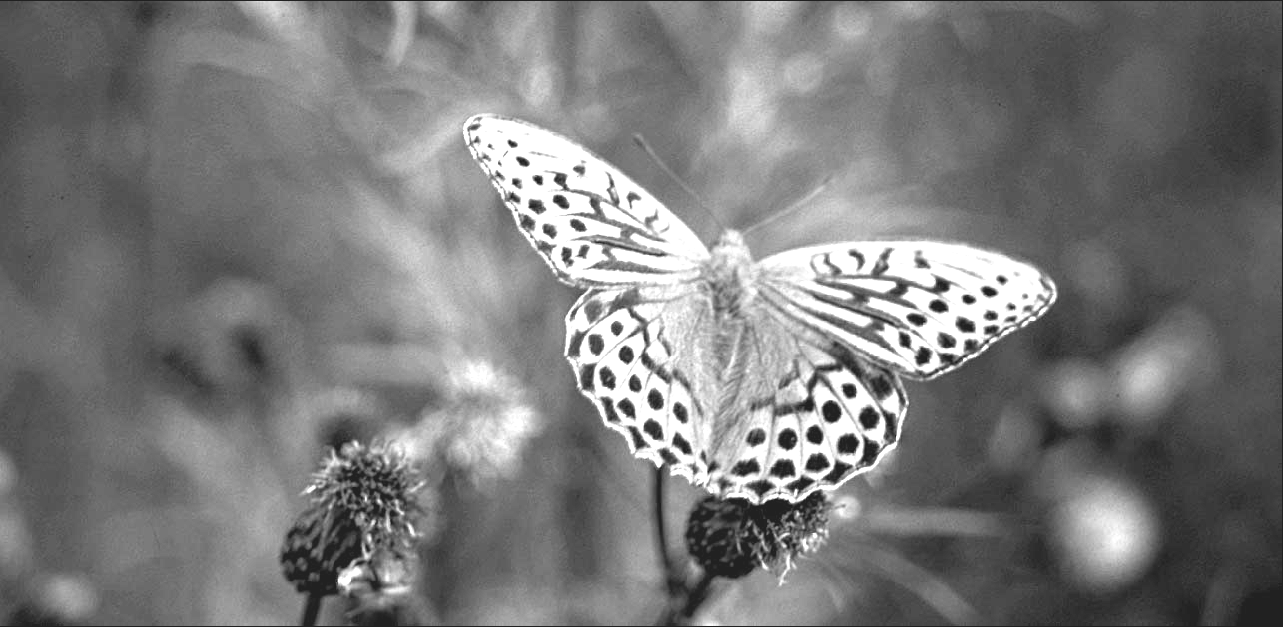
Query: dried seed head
[730, 537]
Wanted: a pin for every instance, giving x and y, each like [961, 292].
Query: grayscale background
[233, 234]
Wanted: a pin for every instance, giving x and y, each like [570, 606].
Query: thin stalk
[661, 533]
[697, 596]
[311, 609]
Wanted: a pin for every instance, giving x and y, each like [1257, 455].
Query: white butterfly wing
[764, 413]
[921, 308]
[809, 415]
[629, 349]
[592, 224]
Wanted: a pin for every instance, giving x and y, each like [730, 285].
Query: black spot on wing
[817, 462]
[831, 411]
[840, 471]
[655, 399]
[639, 443]
[923, 356]
[881, 387]
[882, 264]
[800, 484]
[608, 408]
[814, 434]
[679, 411]
[868, 417]
[783, 469]
[653, 429]
[870, 456]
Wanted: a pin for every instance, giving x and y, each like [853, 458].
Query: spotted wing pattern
[619, 346]
[829, 416]
[593, 225]
[921, 308]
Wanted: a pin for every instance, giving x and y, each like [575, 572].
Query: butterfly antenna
[797, 204]
[641, 142]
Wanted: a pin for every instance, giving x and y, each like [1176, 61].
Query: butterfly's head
[731, 247]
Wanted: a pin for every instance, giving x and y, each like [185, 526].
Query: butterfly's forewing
[592, 224]
[921, 308]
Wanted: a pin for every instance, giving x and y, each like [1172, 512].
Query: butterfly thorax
[730, 276]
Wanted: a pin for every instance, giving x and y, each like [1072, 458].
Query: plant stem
[660, 532]
[661, 535]
[697, 596]
[694, 597]
[311, 609]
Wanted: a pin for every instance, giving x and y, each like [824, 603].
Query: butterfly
[757, 380]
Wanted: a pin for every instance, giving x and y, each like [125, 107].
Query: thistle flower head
[364, 500]
[730, 538]
[376, 488]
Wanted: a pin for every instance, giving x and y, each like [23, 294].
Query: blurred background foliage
[233, 234]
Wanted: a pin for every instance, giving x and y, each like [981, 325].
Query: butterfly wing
[593, 225]
[818, 397]
[921, 308]
[624, 345]
[760, 412]
[799, 413]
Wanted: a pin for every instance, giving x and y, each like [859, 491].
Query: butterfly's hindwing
[592, 224]
[624, 363]
[922, 308]
[826, 417]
